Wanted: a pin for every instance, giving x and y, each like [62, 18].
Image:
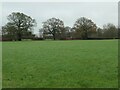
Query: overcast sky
[100, 12]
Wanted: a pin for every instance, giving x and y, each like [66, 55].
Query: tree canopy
[84, 28]
[110, 31]
[19, 24]
[54, 27]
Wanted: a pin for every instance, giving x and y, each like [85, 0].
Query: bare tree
[21, 22]
[53, 27]
[84, 28]
[110, 31]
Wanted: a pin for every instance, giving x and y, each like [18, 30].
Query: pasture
[60, 64]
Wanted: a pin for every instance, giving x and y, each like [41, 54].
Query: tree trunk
[54, 37]
[19, 36]
[19, 32]
[85, 35]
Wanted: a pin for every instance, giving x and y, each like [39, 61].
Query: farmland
[60, 64]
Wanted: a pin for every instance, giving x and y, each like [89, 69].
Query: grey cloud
[100, 12]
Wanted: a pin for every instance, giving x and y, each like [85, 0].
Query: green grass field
[60, 64]
[0, 65]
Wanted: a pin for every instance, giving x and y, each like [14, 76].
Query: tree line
[20, 26]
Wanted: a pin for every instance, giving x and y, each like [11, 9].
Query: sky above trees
[100, 12]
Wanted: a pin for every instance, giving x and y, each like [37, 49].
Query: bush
[36, 38]
[6, 39]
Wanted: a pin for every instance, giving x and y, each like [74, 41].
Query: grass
[0, 65]
[60, 64]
